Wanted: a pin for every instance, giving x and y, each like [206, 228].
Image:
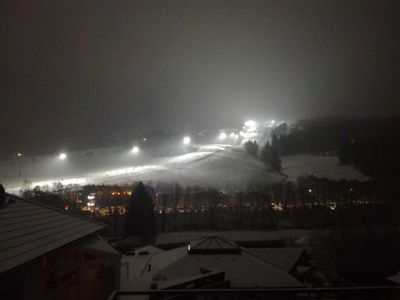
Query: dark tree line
[268, 154]
[318, 136]
[376, 157]
[251, 148]
[310, 203]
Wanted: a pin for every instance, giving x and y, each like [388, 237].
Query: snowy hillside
[222, 166]
[319, 166]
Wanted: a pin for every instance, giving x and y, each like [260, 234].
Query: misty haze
[199, 149]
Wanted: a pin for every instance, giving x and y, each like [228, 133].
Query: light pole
[62, 157]
[135, 150]
[19, 155]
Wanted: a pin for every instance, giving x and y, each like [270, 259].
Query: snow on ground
[135, 276]
[290, 235]
[319, 166]
[221, 166]
[226, 168]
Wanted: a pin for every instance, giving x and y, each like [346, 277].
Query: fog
[91, 73]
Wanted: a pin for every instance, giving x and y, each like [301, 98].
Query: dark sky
[76, 70]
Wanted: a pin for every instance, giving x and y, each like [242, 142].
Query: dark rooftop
[213, 245]
[29, 231]
[242, 267]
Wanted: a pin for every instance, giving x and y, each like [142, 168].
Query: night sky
[73, 71]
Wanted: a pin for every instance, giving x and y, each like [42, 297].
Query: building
[48, 254]
[213, 262]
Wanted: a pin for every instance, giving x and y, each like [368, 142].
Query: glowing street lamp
[222, 136]
[186, 140]
[135, 149]
[19, 155]
[250, 124]
[62, 156]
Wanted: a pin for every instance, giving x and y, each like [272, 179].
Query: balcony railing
[390, 292]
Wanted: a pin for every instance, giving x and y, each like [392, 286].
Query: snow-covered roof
[243, 269]
[213, 244]
[233, 235]
[29, 231]
[395, 278]
[100, 245]
[148, 249]
[284, 258]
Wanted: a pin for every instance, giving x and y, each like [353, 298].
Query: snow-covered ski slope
[222, 166]
[319, 166]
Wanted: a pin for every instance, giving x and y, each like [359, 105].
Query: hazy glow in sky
[76, 72]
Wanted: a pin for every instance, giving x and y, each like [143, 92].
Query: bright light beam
[250, 124]
[135, 149]
[186, 140]
[62, 156]
[222, 136]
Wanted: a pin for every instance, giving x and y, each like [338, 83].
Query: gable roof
[212, 245]
[242, 268]
[99, 245]
[29, 231]
[284, 258]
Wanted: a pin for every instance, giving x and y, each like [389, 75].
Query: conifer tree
[140, 219]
